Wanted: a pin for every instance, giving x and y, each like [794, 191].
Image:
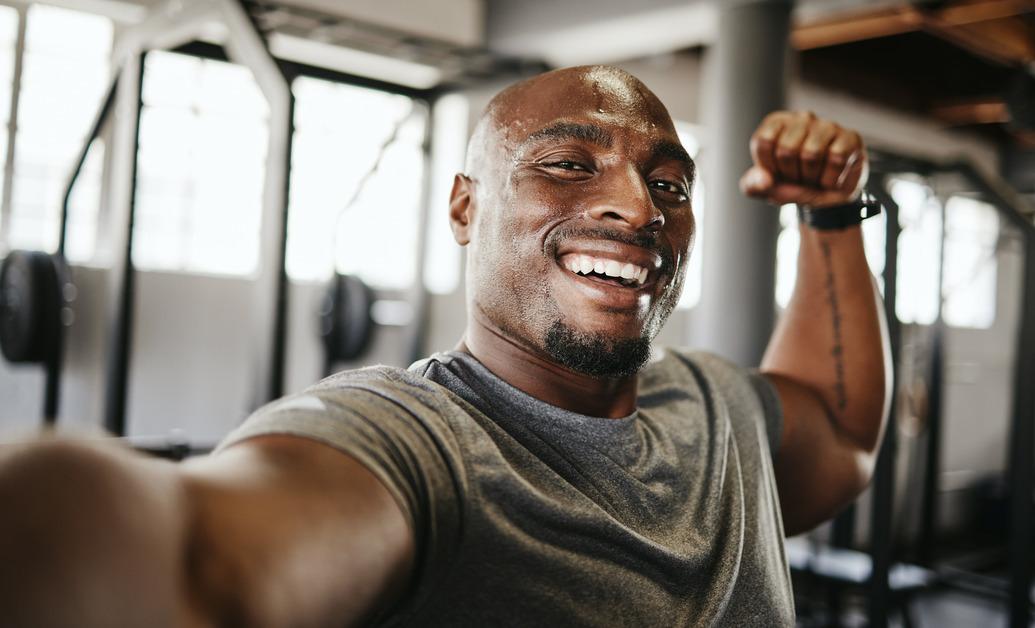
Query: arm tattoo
[837, 352]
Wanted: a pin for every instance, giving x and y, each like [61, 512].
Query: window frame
[22, 8]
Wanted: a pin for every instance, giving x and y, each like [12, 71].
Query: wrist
[839, 217]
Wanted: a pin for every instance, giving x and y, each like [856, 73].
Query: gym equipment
[170, 25]
[885, 591]
[37, 291]
[346, 325]
[33, 291]
[246, 30]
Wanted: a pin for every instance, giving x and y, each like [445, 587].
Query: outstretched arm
[274, 531]
[828, 357]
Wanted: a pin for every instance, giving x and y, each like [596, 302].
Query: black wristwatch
[840, 216]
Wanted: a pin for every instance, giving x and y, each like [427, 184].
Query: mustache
[648, 240]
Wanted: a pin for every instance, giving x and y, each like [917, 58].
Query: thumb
[757, 181]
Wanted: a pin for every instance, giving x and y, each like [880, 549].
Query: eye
[669, 187]
[567, 164]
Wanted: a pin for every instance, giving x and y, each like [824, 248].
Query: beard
[595, 355]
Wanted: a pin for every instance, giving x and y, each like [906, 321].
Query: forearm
[832, 338]
[91, 535]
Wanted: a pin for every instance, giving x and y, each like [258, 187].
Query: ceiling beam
[855, 27]
[984, 111]
[988, 28]
[1008, 41]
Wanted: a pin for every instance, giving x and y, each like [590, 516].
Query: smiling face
[577, 214]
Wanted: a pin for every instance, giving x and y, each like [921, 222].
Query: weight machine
[889, 584]
[224, 30]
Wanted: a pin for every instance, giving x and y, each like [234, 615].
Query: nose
[625, 198]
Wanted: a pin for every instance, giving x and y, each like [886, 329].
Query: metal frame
[168, 26]
[1018, 212]
[881, 524]
[12, 122]
[881, 599]
[181, 26]
[1022, 427]
[52, 383]
[175, 27]
[123, 284]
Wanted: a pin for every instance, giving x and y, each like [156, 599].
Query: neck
[533, 373]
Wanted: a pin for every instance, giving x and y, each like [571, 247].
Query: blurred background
[206, 204]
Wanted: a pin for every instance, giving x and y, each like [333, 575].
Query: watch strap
[840, 216]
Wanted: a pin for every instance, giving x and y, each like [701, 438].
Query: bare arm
[828, 356]
[276, 531]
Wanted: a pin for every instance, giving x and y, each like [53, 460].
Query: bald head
[517, 111]
[568, 172]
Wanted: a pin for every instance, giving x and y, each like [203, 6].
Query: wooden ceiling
[968, 63]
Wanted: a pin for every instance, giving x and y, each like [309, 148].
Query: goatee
[596, 355]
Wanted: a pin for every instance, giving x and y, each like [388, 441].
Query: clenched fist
[799, 158]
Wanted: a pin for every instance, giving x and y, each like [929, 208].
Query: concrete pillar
[747, 76]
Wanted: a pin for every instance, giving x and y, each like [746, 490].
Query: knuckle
[826, 128]
[790, 142]
[810, 155]
[837, 157]
[784, 153]
[764, 137]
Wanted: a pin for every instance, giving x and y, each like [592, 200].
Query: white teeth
[585, 264]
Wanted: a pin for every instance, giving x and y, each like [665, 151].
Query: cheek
[682, 228]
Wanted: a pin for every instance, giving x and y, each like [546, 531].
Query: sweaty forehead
[597, 93]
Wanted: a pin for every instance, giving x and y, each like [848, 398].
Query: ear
[461, 208]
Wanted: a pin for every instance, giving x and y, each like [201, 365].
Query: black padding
[31, 300]
[345, 322]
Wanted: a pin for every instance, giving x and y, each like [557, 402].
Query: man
[548, 471]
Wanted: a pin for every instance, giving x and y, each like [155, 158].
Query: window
[356, 183]
[8, 48]
[65, 72]
[688, 136]
[969, 276]
[919, 250]
[787, 244]
[442, 262]
[201, 166]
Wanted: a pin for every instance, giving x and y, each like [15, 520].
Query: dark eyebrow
[671, 150]
[573, 131]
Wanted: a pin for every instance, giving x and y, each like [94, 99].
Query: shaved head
[570, 166]
[507, 114]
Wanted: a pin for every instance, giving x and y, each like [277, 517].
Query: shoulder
[378, 408]
[748, 398]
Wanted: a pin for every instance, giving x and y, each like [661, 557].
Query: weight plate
[30, 305]
[345, 323]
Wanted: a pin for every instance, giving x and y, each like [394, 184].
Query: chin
[596, 354]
